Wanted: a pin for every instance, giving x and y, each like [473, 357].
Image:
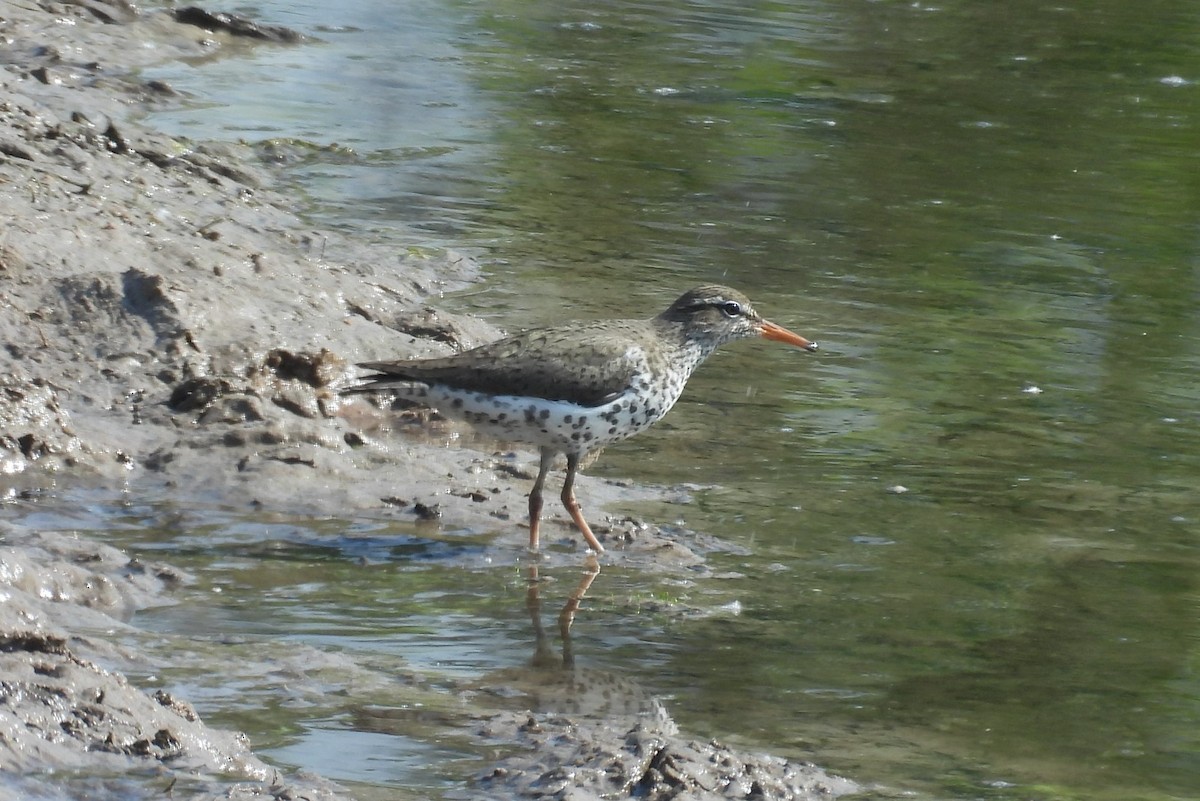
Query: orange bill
[780, 334]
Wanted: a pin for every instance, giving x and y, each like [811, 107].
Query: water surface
[971, 520]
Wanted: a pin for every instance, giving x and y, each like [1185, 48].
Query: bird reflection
[543, 655]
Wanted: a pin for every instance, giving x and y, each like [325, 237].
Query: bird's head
[719, 314]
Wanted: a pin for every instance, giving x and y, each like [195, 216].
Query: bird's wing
[587, 365]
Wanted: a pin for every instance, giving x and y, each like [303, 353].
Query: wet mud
[170, 328]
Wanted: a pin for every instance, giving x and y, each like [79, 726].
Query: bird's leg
[568, 499]
[535, 497]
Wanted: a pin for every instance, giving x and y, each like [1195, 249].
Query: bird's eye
[731, 308]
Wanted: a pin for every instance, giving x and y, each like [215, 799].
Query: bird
[575, 388]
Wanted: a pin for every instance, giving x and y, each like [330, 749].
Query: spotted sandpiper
[573, 389]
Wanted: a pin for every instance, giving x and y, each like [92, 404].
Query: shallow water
[971, 518]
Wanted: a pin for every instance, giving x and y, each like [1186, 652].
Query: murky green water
[972, 517]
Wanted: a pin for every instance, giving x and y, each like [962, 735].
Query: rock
[236, 25]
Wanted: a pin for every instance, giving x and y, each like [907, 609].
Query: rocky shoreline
[171, 328]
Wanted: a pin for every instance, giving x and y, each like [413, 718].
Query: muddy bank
[171, 329]
[65, 707]
[169, 324]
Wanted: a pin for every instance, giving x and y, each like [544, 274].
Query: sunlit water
[972, 518]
